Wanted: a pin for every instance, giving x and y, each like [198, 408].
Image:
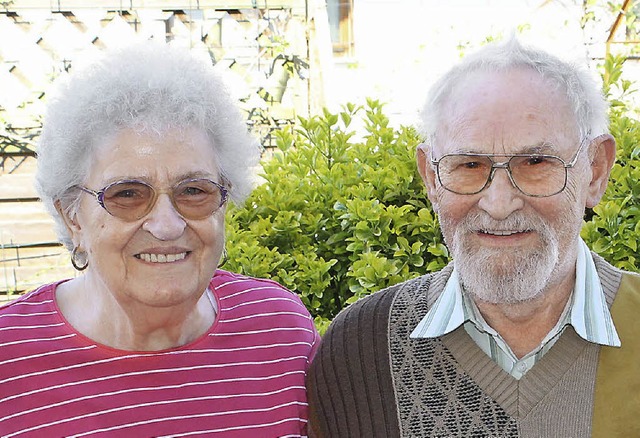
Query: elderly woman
[138, 157]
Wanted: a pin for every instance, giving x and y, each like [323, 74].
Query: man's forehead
[512, 84]
[519, 138]
[512, 111]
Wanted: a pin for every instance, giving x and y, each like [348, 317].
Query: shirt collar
[590, 316]
[446, 314]
[588, 313]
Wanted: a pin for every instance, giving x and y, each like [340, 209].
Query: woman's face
[162, 259]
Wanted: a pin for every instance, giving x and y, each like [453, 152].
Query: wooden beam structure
[626, 5]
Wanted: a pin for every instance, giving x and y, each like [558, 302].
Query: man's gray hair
[151, 88]
[582, 91]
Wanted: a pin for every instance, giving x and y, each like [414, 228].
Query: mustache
[480, 221]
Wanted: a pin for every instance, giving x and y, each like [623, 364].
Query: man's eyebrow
[545, 147]
[542, 148]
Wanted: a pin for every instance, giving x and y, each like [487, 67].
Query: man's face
[509, 247]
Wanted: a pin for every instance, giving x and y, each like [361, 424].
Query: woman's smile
[162, 257]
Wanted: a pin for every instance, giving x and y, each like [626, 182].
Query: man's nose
[501, 197]
[164, 222]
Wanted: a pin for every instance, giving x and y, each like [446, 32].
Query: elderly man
[527, 333]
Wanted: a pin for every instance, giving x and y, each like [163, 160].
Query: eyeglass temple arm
[428, 153]
[574, 160]
[92, 192]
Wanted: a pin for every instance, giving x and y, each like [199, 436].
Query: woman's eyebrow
[197, 174]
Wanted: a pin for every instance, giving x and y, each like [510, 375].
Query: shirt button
[522, 367]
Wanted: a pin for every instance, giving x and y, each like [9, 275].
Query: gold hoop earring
[84, 259]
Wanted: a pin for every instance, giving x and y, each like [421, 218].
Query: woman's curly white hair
[149, 87]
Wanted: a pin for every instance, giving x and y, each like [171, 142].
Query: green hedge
[339, 217]
[612, 229]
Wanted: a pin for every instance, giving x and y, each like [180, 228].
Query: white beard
[505, 277]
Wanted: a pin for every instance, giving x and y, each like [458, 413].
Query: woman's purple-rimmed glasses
[130, 200]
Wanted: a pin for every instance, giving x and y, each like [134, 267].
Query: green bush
[612, 229]
[337, 217]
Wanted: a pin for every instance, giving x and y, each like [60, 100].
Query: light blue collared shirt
[586, 311]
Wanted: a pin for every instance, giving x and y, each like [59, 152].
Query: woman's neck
[94, 312]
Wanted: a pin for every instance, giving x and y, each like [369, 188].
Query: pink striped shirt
[245, 377]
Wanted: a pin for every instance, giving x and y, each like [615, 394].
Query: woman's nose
[164, 222]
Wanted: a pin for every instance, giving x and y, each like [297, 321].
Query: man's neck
[523, 326]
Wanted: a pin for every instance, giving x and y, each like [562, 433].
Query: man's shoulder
[379, 304]
[634, 277]
[614, 279]
[380, 301]
[630, 285]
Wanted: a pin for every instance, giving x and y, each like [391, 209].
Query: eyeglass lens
[193, 199]
[535, 175]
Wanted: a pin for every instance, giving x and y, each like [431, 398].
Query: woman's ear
[427, 173]
[604, 147]
[70, 221]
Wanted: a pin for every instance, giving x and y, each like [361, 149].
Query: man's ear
[69, 219]
[427, 173]
[603, 158]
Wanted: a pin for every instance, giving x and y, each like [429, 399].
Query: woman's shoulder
[259, 305]
[241, 292]
[33, 301]
[227, 283]
[29, 319]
